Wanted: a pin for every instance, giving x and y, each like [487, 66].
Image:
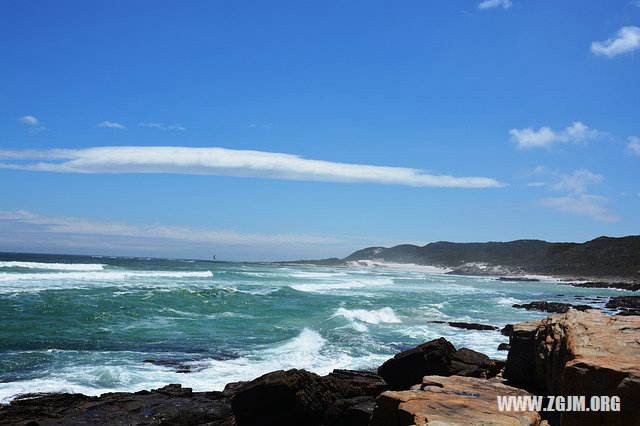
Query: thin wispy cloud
[162, 126]
[111, 125]
[33, 123]
[585, 205]
[627, 40]
[491, 4]
[545, 137]
[226, 162]
[577, 182]
[263, 125]
[75, 225]
[633, 147]
[24, 230]
[577, 200]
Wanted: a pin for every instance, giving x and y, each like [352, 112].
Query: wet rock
[171, 404]
[580, 353]
[631, 286]
[356, 382]
[407, 368]
[350, 412]
[467, 362]
[626, 305]
[506, 330]
[524, 279]
[451, 400]
[180, 366]
[471, 326]
[520, 366]
[283, 397]
[301, 397]
[557, 307]
[503, 347]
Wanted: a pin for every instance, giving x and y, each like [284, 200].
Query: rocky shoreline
[574, 353]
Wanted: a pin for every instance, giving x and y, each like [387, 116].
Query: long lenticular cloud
[225, 162]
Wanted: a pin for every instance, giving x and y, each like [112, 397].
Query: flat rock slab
[450, 401]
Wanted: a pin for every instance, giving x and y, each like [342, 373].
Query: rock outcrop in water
[300, 397]
[436, 357]
[552, 307]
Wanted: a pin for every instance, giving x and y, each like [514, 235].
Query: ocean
[88, 323]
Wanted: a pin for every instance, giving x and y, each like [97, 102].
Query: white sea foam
[508, 301]
[103, 275]
[325, 287]
[386, 315]
[305, 274]
[409, 267]
[55, 266]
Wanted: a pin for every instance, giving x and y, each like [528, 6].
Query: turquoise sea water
[86, 324]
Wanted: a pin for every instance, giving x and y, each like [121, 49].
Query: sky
[307, 129]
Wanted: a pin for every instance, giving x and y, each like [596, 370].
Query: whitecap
[55, 266]
[385, 315]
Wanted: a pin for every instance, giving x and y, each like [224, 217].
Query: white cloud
[536, 184]
[578, 181]
[29, 119]
[583, 204]
[226, 162]
[162, 126]
[111, 125]
[545, 137]
[33, 123]
[627, 39]
[633, 147]
[490, 4]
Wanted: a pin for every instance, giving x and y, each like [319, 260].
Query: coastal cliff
[576, 353]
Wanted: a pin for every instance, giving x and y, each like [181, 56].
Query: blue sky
[321, 126]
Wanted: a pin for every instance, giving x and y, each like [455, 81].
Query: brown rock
[451, 400]
[581, 353]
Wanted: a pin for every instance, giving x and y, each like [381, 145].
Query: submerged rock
[580, 353]
[450, 401]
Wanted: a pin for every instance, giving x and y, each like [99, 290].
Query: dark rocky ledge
[466, 325]
[554, 307]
